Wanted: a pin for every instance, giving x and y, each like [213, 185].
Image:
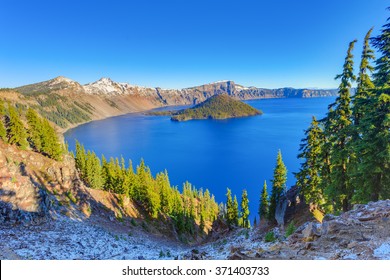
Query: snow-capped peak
[108, 86]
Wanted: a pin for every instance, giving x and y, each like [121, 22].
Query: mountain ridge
[107, 86]
[67, 103]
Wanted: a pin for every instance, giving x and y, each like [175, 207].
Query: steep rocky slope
[43, 202]
[362, 233]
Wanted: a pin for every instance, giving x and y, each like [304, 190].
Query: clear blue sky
[175, 44]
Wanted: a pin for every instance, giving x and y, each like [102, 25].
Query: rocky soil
[363, 233]
[46, 212]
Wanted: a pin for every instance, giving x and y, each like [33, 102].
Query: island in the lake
[219, 106]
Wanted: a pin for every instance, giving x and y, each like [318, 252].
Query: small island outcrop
[219, 106]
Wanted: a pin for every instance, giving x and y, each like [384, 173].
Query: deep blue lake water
[215, 154]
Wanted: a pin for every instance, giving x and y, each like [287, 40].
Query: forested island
[219, 106]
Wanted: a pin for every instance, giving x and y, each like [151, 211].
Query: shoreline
[63, 131]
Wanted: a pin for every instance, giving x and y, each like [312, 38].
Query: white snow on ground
[383, 251]
[68, 239]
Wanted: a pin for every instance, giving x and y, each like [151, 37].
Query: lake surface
[215, 154]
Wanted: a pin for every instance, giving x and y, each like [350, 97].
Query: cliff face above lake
[220, 106]
[67, 103]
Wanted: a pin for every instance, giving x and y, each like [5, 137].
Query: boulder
[311, 231]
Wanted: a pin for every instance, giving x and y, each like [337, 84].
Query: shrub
[269, 237]
[119, 216]
[71, 197]
[290, 229]
[162, 254]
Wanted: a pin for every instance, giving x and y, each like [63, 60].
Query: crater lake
[235, 153]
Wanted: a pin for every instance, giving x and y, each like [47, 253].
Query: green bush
[290, 229]
[71, 197]
[269, 237]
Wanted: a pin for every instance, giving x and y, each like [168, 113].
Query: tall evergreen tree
[35, 130]
[309, 175]
[364, 84]
[376, 140]
[51, 145]
[229, 208]
[264, 203]
[245, 209]
[80, 158]
[278, 185]
[338, 132]
[361, 112]
[16, 132]
[165, 192]
[2, 108]
[3, 131]
[236, 212]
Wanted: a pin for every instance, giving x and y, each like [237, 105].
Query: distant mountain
[67, 103]
[191, 95]
[220, 106]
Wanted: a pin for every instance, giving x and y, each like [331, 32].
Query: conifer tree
[3, 131]
[201, 223]
[229, 208]
[309, 175]
[364, 84]
[338, 132]
[362, 111]
[80, 158]
[236, 213]
[16, 131]
[245, 209]
[2, 108]
[35, 131]
[264, 203]
[50, 143]
[278, 185]
[375, 141]
[165, 192]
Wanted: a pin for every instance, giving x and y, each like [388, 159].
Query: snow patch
[383, 251]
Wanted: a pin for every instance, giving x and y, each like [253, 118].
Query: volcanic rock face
[28, 181]
[362, 233]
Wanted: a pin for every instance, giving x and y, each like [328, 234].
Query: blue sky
[176, 43]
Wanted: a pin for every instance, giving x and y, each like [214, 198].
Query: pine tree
[16, 132]
[278, 185]
[309, 175]
[3, 131]
[35, 129]
[245, 209]
[201, 223]
[375, 141]
[338, 132]
[50, 143]
[364, 84]
[229, 208]
[2, 108]
[264, 203]
[236, 213]
[80, 158]
[362, 111]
